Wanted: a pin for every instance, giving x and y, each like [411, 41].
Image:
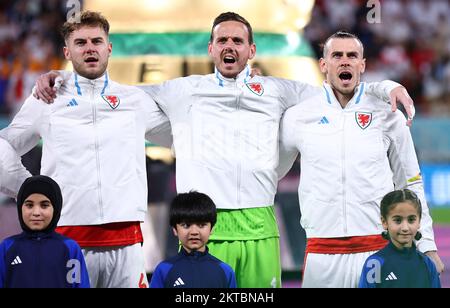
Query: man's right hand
[46, 86]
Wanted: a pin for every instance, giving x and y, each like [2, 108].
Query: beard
[90, 73]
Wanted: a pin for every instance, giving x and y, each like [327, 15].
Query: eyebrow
[84, 40]
[340, 53]
[409, 216]
[234, 38]
[41, 202]
[397, 216]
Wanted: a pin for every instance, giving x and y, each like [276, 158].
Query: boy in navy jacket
[39, 257]
[192, 217]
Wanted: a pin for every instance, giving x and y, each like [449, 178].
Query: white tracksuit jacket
[93, 146]
[350, 158]
[12, 172]
[225, 132]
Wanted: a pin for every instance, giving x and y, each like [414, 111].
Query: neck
[234, 76]
[201, 249]
[400, 246]
[90, 77]
[229, 76]
[342, 98]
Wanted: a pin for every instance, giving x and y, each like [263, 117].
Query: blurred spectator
[29, 46]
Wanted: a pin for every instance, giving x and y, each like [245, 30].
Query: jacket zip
[343, 174]
[38, 243]
[97, 155]
[238, 137]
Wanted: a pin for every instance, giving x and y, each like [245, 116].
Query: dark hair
[231, 16]
[87, 19]
[341, 35]
[393, 198]
[192, 207]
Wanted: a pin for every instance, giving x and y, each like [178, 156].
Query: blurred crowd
[29, 45]
[410, 44]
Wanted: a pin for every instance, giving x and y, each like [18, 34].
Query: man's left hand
[433, 255]
[401, 95]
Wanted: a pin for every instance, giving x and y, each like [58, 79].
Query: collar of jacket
[356, 99]
[194, 253]
[242, 78]
[37, 235]
[81, 83]
[405, 251]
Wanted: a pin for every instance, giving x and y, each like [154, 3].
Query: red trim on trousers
[106, 235]
[345, 245]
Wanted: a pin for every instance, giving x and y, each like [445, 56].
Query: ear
[384, 223]
[66, 52]
[174, 231]
[209, 49]
[323, 66]
[109, 49]
[252, 51]
[363, 66]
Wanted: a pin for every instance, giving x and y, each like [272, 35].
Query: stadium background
[408, 43]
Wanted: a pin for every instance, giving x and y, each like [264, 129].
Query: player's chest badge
[256, 87]
[363, 119]
[112, 100]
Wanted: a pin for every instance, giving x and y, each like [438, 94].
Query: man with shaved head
[354, 150]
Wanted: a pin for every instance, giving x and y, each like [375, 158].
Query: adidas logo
[391, 276]
[324, 120]
[72, 103]
[178, 282]
[16, 261]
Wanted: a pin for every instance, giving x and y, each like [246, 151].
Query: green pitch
[441, 215]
